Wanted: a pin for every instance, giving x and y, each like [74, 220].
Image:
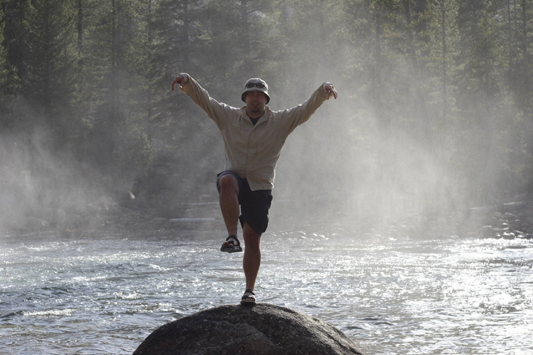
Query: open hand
[330, 90]
[178, 80]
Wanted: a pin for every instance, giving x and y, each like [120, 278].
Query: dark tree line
[448, 78]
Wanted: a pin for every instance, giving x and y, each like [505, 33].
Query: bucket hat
[255, 84]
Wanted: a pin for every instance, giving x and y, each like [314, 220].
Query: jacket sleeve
[295, 116]
[218, 112]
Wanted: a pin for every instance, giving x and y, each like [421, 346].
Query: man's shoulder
[279, 114]
[276, 114]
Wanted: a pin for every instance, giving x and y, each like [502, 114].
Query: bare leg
[229, 202]
[252, 255]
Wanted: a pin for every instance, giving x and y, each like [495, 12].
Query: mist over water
[344, 167]
[335, 166]
[371, 194]
[43, 189]
[338, 165]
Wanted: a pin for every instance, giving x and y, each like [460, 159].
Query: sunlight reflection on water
[104, 294]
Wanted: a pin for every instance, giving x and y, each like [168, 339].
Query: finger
[333, 91]
[330, 90]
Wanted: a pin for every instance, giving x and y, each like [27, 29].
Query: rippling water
[103, 294]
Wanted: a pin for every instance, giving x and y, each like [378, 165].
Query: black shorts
[254, 204]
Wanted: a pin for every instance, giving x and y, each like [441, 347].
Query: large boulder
[260, 330]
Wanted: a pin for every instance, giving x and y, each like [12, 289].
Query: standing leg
[252, 255]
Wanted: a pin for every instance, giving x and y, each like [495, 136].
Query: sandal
[231, 245]
[248, 299]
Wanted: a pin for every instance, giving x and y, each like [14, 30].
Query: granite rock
[262, 329]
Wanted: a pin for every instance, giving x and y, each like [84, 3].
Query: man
[253, 137]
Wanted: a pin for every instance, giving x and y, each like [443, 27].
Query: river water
[104, 293]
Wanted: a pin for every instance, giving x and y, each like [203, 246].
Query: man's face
[255, 103]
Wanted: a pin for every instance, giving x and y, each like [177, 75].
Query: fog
[412, 142]
[335, 169]
[342, 170]
[44, 190]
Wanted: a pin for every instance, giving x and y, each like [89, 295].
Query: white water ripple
[104, 294]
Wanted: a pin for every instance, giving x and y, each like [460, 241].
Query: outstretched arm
[300, 114]
[181, 80]
[218, 112]
[330, 90]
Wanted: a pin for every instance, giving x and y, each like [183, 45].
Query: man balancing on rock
[253, 137]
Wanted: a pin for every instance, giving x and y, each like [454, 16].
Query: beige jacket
[253, 151]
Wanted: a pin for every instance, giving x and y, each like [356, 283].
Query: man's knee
[251, 237]
[228, 183]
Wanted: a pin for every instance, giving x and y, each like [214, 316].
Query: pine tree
[49, 79]
[442, 51]
[176, 41]
[239, 35]
[483, 105]
[3, 65]
[312, 41]
[116, 142]
[520, 14]
[16, 31]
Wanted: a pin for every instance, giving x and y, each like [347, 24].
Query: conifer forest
[435, 107]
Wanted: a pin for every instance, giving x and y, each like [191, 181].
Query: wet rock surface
[262, 329]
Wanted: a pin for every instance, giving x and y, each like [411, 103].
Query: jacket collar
[266, 116]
